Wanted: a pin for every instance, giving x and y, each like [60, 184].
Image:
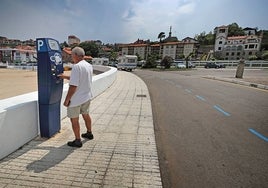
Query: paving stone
[122, 154]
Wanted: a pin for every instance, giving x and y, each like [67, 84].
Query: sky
[125, 21]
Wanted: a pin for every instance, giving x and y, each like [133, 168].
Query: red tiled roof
[20, 47]
[171, 43]
[155, 44]
[236, 37]
[68, 50]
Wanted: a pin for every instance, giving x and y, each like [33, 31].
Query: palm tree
[161, 35]
[187, 59]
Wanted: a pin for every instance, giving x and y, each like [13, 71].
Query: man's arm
[69, 95]
[63, 76]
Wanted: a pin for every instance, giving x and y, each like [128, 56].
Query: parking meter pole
[49, 85]
[240, 69]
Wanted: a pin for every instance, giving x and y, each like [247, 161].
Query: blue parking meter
[49, 85]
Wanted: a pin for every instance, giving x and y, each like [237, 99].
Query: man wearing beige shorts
[79, 95]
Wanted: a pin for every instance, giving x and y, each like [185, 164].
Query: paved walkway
[123, 153]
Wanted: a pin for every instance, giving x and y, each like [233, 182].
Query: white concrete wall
[19, 121]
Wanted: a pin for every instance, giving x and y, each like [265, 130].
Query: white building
[221, 37]
[169, 49]
[135, 49]
[18, 55]
[236, 47]
[173, 49]
[73, 40]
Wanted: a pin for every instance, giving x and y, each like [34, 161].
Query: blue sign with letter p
[41, 45]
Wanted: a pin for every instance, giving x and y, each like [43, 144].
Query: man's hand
[69, 95]
[66, 103]
[63, 76]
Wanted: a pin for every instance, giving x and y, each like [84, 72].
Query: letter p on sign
[40, 43]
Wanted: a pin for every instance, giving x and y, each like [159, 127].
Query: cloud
[128, 15]
[148, 18]
[187, 8]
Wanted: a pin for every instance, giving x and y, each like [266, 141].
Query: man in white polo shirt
[79, 95]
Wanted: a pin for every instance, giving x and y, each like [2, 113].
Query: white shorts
[73, 112]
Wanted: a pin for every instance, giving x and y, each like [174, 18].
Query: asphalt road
[209, 133]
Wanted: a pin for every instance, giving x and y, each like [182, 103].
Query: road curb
[235, 81]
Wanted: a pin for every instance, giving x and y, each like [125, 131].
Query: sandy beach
[17, 82]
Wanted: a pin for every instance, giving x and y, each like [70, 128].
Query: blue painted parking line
[200, 97]
[221, 110]
[258, 135]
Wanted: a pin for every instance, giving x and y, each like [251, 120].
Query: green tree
[210, 38]
[187, 59]
[235, 30]
[180, 56]
[113, 56]
[265, 55]
[166, 62]
[161, 35]
[252, 57]
[90, 48]
[139, 57]
[151, 61]
[205, 39]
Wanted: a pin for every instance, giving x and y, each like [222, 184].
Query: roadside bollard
[240, 69]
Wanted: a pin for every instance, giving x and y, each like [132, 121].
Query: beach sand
[17, 82]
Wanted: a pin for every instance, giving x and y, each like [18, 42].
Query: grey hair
[78, 51]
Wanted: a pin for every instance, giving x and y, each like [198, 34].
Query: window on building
[239, 47]
[246, 46]
[249, 53]
[238, 54]
[220, 42]
[227, 53]
[251, 46]
[219, 48]
[222, 31]
[232, 53]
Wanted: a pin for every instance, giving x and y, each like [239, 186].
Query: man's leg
[87, 120]
[76, 127]
[73, 114]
